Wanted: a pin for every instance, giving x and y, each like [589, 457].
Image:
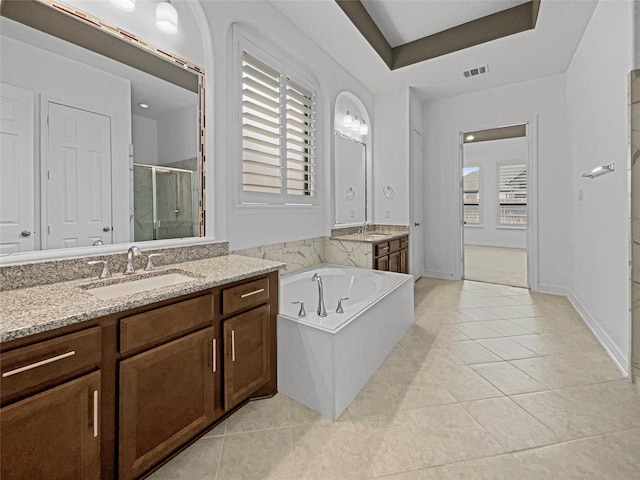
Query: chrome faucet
[321, 310]
[132, 252]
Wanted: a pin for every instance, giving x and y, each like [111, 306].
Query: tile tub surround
[27, 311]
[428, 414]
[54, 271]
[297, 255]
[353, 253]
[634, 100]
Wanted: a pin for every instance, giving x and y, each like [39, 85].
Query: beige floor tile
[260, 415]
[494, 300]
[505, 327]
[464, 384]
[479, 314]
[476, 330]
[264, 455]
[417, 391]
[508, 379]
[449, 333]
[509, 424]
[421, 438]
[471, 352]
[301, 415]
[198, 462]
[570, 370]
[555, 343]
[217, 431]
[506, 348]
[376, 397]
[435, 473]
[330, 452]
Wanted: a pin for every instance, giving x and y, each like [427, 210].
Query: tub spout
[321, 310]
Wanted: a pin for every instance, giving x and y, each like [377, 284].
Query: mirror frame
[91, 33]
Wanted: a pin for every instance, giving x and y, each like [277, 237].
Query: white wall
[72, 83]
[598, 117]
[391, 157]
[541, 102]
[178, 136]
[489, 156]
[245, 228]
[144, 132]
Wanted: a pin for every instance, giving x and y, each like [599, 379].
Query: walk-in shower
[165, 202]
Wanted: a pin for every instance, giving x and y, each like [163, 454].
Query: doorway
[495, 200]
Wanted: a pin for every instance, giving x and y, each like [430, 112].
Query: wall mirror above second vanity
[352, 162]
[102, 134]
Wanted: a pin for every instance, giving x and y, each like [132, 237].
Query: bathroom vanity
[112, 388]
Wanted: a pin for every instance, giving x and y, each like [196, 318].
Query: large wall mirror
[352, 162]
[102, 136]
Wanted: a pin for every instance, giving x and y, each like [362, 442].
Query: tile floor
[491, 382]
[504, 266]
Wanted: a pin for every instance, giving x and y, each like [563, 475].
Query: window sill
[511, 227]
[473, 225]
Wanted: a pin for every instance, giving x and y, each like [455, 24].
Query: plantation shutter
[300, 140]
[513, 194]
[261, 127]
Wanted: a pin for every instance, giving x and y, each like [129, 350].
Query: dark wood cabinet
[392, 256]
[247, 354]
[166, 397]
[54, 434]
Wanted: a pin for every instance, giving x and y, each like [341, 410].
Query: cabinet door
[53, 434]
[166, 397]
[382, 263]
[394, 262]
[247, 352]
[404, 260]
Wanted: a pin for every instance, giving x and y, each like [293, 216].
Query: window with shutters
[471, 195]
[512, 181]
[278, 134]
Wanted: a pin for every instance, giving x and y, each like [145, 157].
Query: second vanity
[111, 388]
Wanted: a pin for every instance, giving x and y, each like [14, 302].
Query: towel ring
[351, 193]
[388, 191]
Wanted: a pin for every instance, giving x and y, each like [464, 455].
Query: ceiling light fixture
[596, 172]
[167, 17]
[143, 105]
[126, 5]
[355, 123]
[470, 138]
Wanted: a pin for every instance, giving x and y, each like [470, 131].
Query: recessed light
[143, 105]
[126, 5]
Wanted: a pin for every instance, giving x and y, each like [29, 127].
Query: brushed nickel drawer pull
[95, 413]
[213, 352]
[233, 345]
[38, 364]
[252, 293]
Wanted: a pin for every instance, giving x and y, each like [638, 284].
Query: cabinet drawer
[44, 364]
[404, 242]
[244, 296]
[394, 245]
[382, 249]
[165, 322]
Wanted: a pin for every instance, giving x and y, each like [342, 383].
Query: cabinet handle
[95, 413]
[233, 345]
[252, 293]
[213, 354]
[383, 248]
[38, 364]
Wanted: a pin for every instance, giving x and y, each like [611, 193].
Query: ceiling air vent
[476, 71]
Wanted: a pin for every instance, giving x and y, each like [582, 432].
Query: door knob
[25, 233]
[417, 224]
[106, 229]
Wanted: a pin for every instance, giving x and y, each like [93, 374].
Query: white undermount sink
[137, 286]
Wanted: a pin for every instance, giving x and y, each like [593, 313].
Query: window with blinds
[278, 159]
[471, 195]
[512, 183]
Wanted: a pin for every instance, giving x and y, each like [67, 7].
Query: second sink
[137, 286]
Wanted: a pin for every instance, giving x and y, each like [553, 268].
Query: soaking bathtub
[323, 362]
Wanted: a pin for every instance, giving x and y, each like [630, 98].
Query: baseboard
[552, 290]
[438, 274]
[618, 357]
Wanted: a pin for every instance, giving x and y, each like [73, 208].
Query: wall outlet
[352, 213]
[387, 213]
[580, 195]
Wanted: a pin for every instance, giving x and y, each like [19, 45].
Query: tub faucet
[321, 310]
[132, 252]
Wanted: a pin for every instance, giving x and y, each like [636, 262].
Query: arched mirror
[102, 134]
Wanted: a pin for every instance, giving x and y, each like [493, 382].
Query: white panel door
[17, 213]
[78, 186]
[417, 205]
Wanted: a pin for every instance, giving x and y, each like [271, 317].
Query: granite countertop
[27, 311]
[371, 237]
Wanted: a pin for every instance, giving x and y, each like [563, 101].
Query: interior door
[17, 214]
[78, 186]
[417, 206]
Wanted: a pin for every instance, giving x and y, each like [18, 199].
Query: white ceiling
[403, 21]
[532, 54]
